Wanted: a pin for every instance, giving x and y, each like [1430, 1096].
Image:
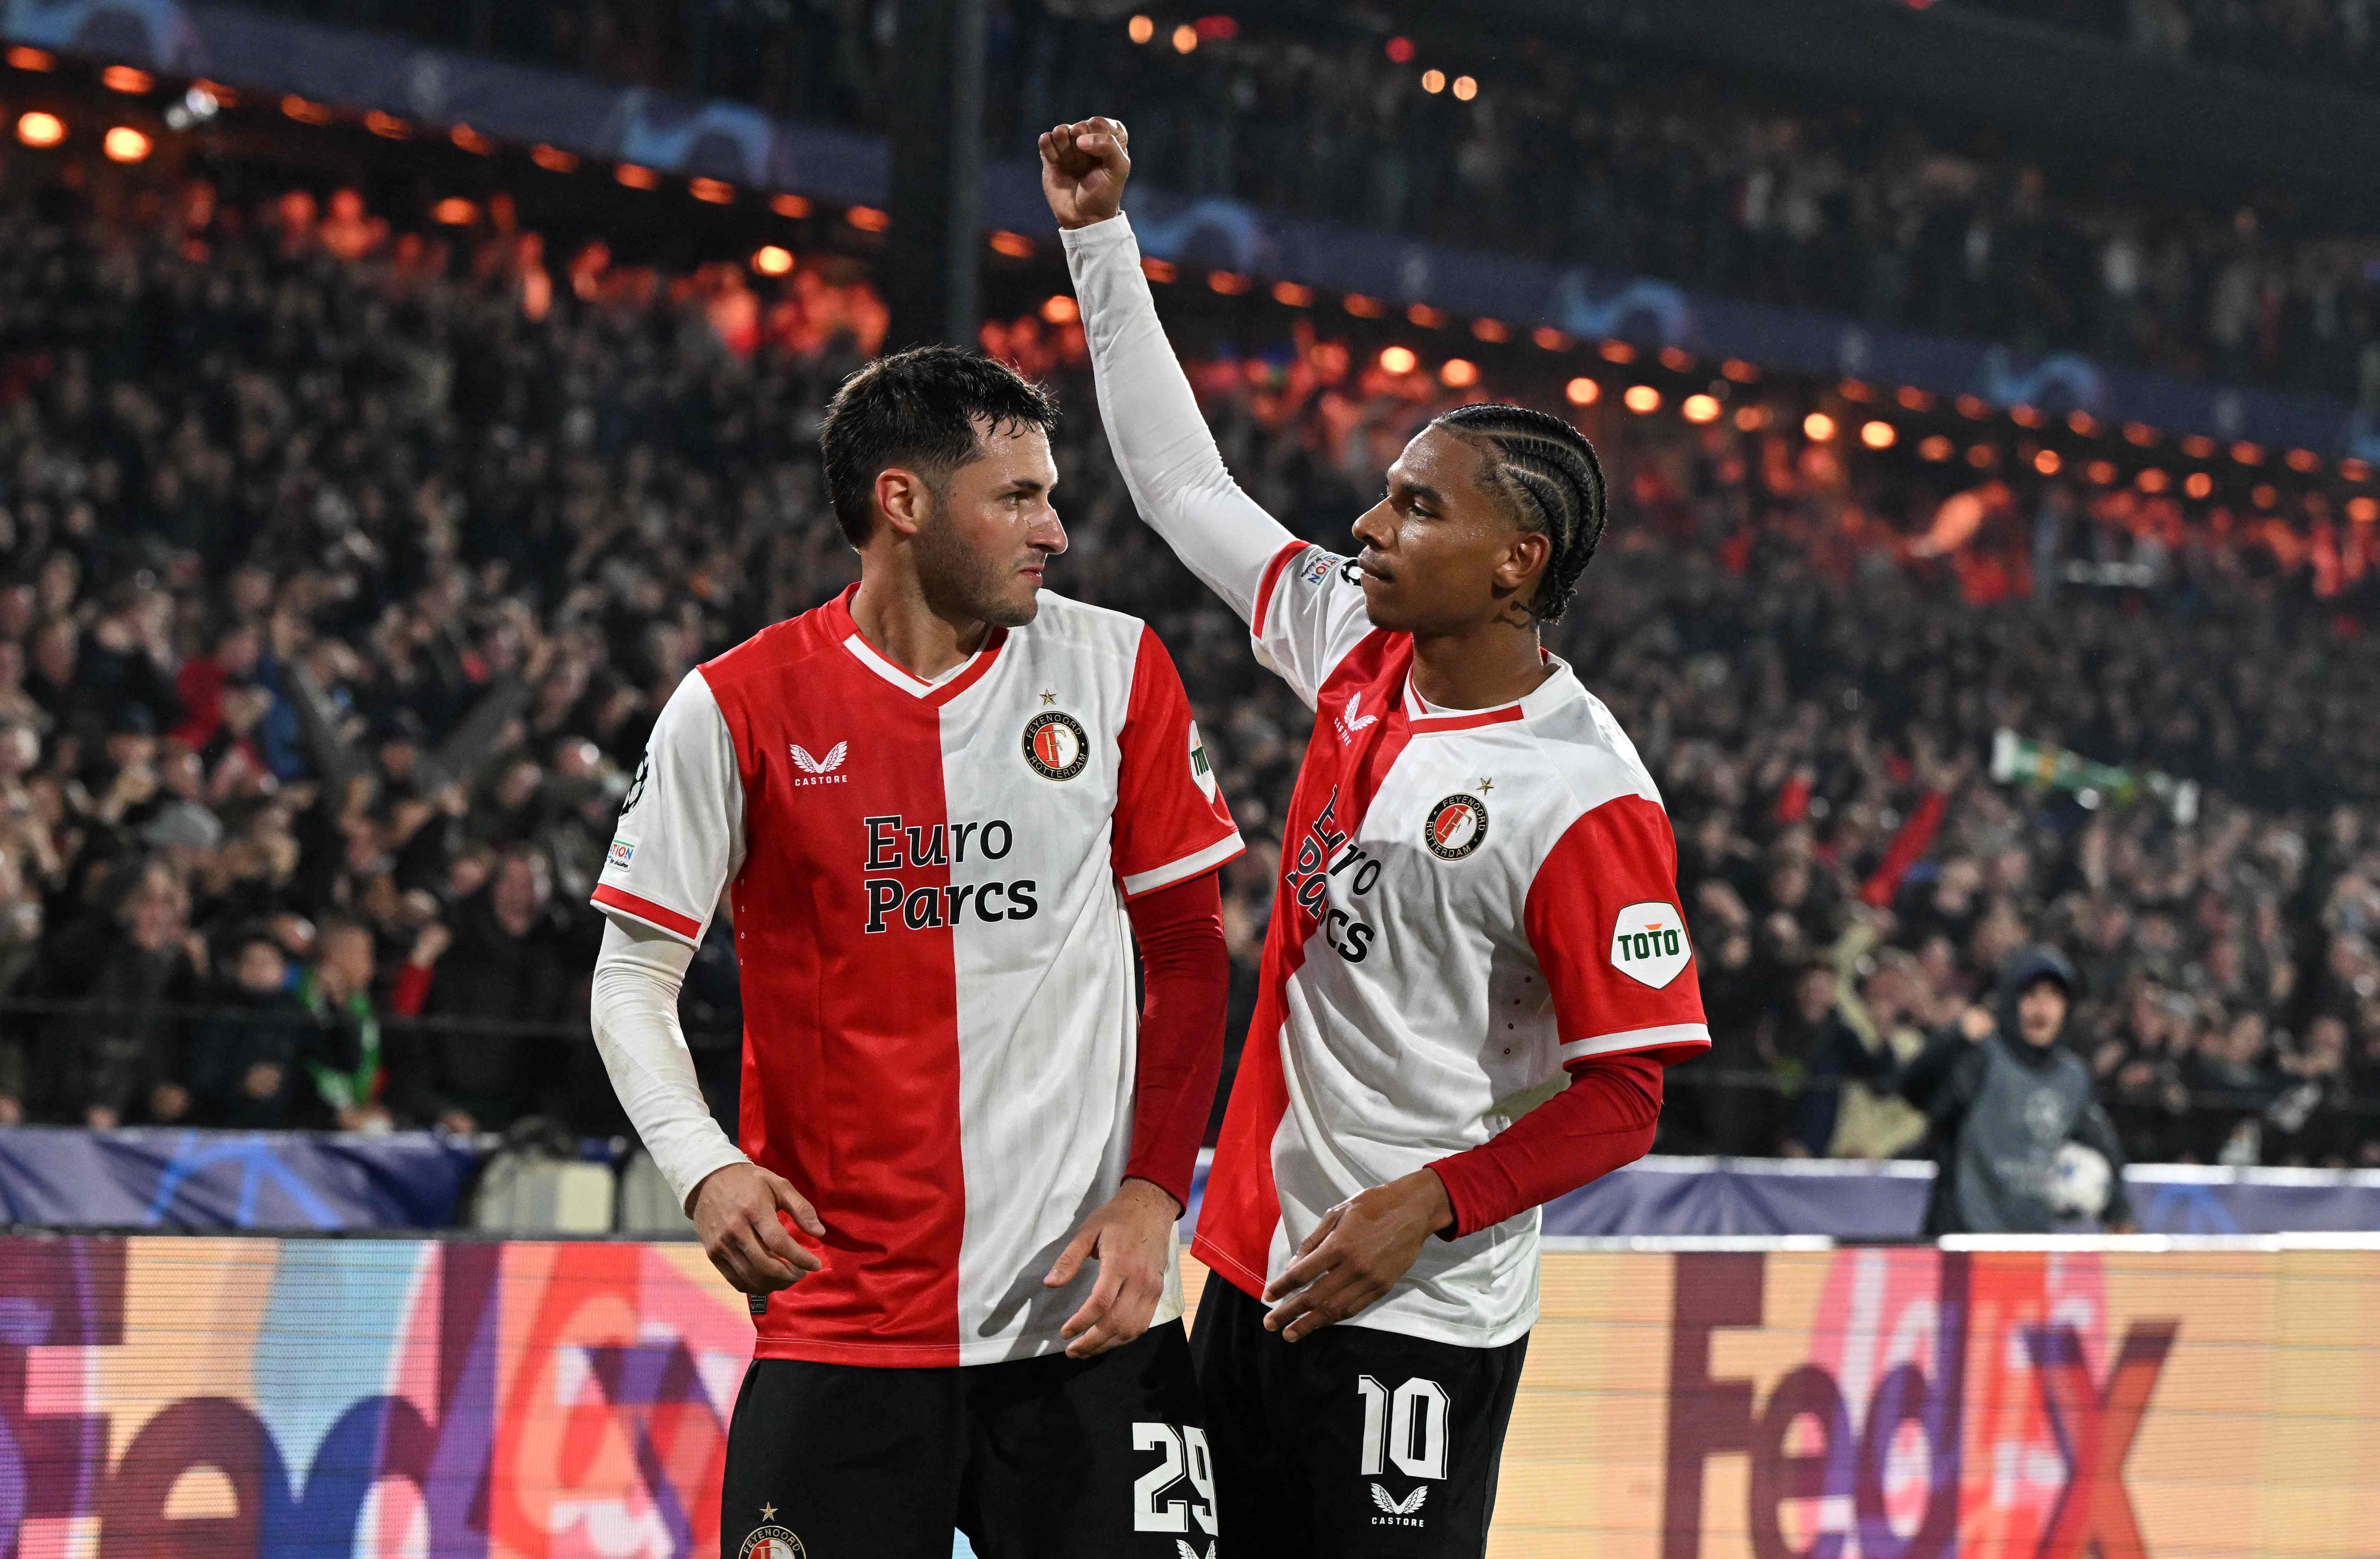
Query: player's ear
[903, 499]
[1524, 560]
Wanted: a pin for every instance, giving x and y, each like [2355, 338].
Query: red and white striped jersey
[927, 884]
[1468, 900]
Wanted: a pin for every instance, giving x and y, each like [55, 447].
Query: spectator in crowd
[336, 992]
[2002, 1097]
[117, 1058]
[250, 1060]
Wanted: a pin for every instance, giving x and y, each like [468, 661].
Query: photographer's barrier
[244, 1398]
[293, 1181]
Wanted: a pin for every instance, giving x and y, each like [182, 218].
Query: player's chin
[1018, 606]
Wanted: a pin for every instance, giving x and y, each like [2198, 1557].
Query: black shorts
[1351, 1441]
[1053, 1456]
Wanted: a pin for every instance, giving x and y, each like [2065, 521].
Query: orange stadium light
[772, 259]
[2047, 462]
[867, 219]
[1362, 307]
[1934, 446]
[2304, 461]
[2198, 446]
[1972, 406]
[1913, 399]
[1677, 359]
[124, 144]
[2363, 511]
[126, 78]
[1015, 245]
[455, 212]
[2083, 424]
[2140, 433]
[1158, 270]
[38, 129]
[1617, 352]
[1642, 399]
[1879, 435]
[1293, 295]
[1465, 87]
[471, 140]
[1060, 309]
[387, 125]
[1231, 284]
[2354, 471]
[1186, 37]
[1491, 330]
[2247, 453]
[1981, 456]
[2153, 480]
[1737, 371]
[1458, 373]
[1397, 359]
[2024, 416]
[716, 192]
[2101, 471]
[1699, 408]
[31, 59]
[636, 176]
[1433, 82]
[798, 207]
[2264, 495]
[1140, 29]
[1752, 419]
[1857, 390]
[2199, 484]
[1583, 391]
[1427, 318]
[1819, 426]
[305, 111]
[553, 158]
[1551, 339]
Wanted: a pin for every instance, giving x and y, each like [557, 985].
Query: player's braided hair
[1550, 474]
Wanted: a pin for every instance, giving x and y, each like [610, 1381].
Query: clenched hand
[1082, 169]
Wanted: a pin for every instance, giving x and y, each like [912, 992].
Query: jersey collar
[952, 682]
[1556, 690]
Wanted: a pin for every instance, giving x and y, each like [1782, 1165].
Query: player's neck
[893, 613]
[1478, 667]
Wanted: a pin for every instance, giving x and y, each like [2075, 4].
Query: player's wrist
[1431, 1197]
[1141, 1188]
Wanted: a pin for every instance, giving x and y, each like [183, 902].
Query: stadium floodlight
[22, 59]
[1465, 87]
[1141, 29]
[2201, 485]
[1397, 359]
[1642, 399]
[1699, 408]
[1879, 435]
[126, 78]
[1060, 309]
[125, 144]
[553, 158]
[1583, 391]
[1819, 426]
[194, 108]
[796, 207]
[38, 129]
[2047, 462]
[1433, 82]
[772, 259]
[1186, 37]
[1458, 373]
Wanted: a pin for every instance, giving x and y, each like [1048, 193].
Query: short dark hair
[918, 409]
[1549, 473]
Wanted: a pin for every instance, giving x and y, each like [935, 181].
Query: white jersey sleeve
[680, 839]
[1310, 613]
[1161, 441]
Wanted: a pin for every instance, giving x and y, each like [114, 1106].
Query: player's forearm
[634, 1007]
[1603, 1121]
[1161, 438]
[1188, 973]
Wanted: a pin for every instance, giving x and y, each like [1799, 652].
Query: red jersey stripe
[1272, 573]
[654, 914]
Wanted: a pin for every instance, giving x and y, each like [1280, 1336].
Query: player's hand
[1356, 1253]
[735, 1212]
[1130, 1238]
[1082, 168]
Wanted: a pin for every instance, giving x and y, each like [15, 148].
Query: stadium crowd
[342, 572]
[1629, 164]
[2336, 42]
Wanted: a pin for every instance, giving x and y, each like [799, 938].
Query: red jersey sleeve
[1171, 820]
[1602, 916]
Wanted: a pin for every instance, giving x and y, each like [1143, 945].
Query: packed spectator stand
[346, 568]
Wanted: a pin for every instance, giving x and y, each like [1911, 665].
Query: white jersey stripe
[1182, 870]
[1659, 1036]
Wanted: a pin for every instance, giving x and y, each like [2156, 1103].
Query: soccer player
[941, 808]
[1477, 895]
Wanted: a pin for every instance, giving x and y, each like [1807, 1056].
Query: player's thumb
[1070, 1259]
[794, 1203]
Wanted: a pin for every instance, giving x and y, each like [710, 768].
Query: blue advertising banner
[65, 1177]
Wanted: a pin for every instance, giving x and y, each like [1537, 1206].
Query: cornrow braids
[1551, 474]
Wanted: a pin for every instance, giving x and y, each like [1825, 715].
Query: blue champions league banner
[733, 141]
[64, 1178]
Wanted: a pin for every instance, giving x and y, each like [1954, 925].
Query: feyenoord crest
[1055, 745]
[1648, 943]
[1456, 827]
[772, 1542]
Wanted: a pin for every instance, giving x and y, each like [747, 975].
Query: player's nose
[1048, 534]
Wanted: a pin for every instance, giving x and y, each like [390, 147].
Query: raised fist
[1082, 168]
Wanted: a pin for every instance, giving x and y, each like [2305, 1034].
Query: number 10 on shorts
[1181, 1453]
[1407, 1427]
